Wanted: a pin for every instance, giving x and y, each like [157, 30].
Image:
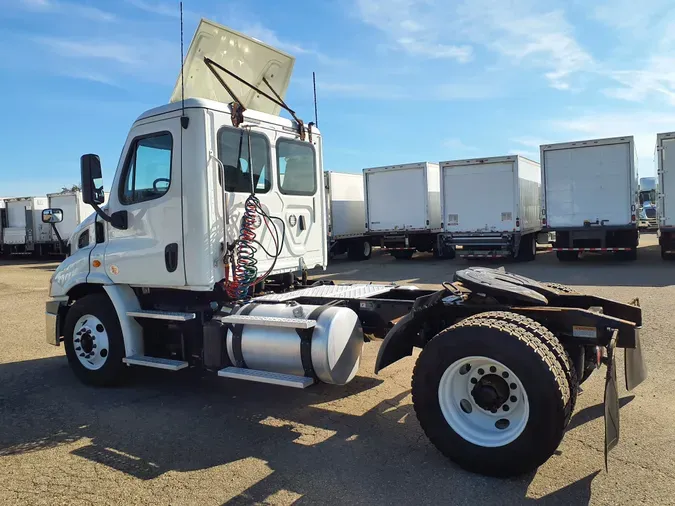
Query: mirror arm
[58, 236]
[118, 220]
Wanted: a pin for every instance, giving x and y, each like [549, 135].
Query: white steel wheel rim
[467, 418]
[366, 248]
[90, 341]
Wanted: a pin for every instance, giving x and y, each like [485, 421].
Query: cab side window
[233, 152]
[296, 163]
[147, 174]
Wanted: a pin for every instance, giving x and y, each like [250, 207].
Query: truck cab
[179, 194]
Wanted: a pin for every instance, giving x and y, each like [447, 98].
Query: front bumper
[55, 310]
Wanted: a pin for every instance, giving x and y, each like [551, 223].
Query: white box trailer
[403, 207]
[346, 215]
[590, 196]
[3, 222]
[25, 233]
[665, 196]
[491, 207]
[74, 212]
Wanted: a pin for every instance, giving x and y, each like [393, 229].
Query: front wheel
[93, 340]
[491, 397]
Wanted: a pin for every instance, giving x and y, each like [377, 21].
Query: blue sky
[398, 80]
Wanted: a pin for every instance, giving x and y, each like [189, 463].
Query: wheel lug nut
[513, 398]
[493, 369]
[505, 374]
[505, 407]
[513, 386]
[474, 381]
[481, 371]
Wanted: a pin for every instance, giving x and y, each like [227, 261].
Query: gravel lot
[180, 438]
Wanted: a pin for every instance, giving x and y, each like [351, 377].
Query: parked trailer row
[23, 230]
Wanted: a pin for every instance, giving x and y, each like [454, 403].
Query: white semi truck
[590, 197]
[214, 208]
[346, 215]
[491, 207]
[403, 207]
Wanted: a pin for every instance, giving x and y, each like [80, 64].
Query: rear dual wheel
[360, 249]
[492, 395]
[527, 249]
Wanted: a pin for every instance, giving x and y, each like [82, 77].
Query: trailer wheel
[550, 341]
[567, 256]
[93, 340]
[402, 255]
[491, 397]
[527, 249]
[629, 255]
[359, 249]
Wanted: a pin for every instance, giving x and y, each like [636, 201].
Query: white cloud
[160, 8]
[98, 59]
[643, 125]
[629, 15]
[456, 144]
[410, 24]
[264, 34]
[67, 8]
[520, 31]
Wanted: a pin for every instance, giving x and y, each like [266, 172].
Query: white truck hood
[245, 56]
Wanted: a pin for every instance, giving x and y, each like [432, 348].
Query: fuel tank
[336, 342]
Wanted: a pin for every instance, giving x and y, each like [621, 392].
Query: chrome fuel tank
[336, 343]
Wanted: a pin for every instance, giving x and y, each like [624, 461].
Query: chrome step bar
[271, 378]
[269, 321]
[155, 362]
[162, 315]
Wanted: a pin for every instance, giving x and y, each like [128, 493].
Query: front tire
[466, 426]
[93, 340]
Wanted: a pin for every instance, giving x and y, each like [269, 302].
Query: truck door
[148, 187]
[289, 194]
[300, 182]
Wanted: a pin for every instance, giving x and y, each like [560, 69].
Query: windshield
[647, 196]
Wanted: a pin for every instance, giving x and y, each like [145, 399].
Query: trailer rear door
[464, 190]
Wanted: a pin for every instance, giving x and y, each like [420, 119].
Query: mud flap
[635, 368]
[611, 401]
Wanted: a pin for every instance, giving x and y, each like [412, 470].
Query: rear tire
[359, 249]
[550, 341]
[534, 366]
[567, 256]
[629, 256]
[108, 358]
[527, 249]
[402, 255]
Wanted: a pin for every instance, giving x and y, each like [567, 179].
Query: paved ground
[174, 438]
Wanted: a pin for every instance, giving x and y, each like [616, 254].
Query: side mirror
[90, 170]
[52, 215]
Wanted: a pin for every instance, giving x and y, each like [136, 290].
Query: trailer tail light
[543, 221]
[632, 218]
[517, 222]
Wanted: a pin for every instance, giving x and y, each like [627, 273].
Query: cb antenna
[316, 114]
[184, 120]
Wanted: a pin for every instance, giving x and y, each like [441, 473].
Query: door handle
[171, 257]
[302, 223]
